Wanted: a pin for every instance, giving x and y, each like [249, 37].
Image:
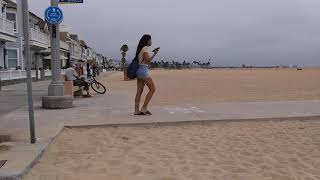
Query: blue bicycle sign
[53, 15]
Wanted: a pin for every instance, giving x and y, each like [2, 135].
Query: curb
[191, 122]
[26, 170]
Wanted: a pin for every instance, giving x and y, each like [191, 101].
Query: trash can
[125, 73]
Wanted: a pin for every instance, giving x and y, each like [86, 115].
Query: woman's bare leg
[152, 89]
[140, 86]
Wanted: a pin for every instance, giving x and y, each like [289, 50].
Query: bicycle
[97, 86]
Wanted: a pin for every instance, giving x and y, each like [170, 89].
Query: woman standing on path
[143, 75]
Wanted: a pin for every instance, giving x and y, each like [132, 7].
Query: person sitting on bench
[72, 75]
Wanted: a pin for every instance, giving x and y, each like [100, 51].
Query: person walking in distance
[143, 74]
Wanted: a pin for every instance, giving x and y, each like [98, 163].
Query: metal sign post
[25, 13]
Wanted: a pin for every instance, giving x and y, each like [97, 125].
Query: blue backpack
[133, 68]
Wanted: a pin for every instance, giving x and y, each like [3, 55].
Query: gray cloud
[231, 32]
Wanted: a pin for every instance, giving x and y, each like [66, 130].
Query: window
[13, 17]
[31, 24]
[12, 58]
[3, 9]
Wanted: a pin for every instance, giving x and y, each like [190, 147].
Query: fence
[20, 74]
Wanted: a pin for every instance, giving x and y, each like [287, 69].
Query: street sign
[53, 15]
[70, 1]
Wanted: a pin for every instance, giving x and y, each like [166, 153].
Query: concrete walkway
[116, 108]
[13, 97]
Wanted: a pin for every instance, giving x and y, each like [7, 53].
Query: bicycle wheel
[98, 87]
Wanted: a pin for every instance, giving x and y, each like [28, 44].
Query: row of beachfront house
[73, 49]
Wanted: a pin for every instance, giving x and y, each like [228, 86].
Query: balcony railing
[38, 36]
[6, 26]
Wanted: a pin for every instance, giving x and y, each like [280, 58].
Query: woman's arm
[147, 59]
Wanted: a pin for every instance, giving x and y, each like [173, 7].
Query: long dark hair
[142, 43]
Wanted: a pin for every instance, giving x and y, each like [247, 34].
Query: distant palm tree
[124, 49]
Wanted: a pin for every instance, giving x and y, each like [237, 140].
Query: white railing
[47, 72]
[20, 74]
[6, 26]
[36, 35]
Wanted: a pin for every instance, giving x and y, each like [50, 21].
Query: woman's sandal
[148, 113]
[139, 114]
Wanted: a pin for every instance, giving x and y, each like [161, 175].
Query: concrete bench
[71, 90]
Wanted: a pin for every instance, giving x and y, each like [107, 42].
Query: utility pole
[56, 86]
[25, 12]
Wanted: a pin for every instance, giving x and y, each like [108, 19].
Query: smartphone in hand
[156, 49]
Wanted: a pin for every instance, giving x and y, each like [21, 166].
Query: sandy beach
[224, 85]
[249, 150]
[227, 150]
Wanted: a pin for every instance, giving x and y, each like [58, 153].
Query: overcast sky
[230, 32]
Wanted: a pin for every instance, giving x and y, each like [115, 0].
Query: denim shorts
[143, 72]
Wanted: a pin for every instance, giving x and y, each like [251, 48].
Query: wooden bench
[71, 90]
